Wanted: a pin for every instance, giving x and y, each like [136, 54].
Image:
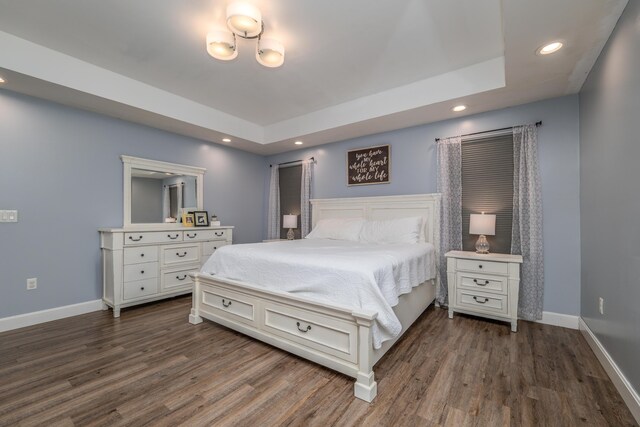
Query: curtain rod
[313, 159]
[538, 124]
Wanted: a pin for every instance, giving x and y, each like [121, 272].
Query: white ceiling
[352, 67]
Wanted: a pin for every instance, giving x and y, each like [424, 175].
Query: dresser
[152, 263]
[484, 285]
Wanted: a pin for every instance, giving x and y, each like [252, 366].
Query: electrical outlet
[601, 305]
[8, 216]
[32, 283]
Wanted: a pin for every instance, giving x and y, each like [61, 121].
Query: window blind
[487, 186]
[290, 181]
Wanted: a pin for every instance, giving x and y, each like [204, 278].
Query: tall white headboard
[385, 207]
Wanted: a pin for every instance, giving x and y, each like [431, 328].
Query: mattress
[349, 274]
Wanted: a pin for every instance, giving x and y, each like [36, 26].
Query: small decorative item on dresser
[290, 222]
[187, 219]
[484, 285]
[201, 218]
[483, 225]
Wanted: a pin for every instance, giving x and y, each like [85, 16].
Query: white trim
[559, 319]
[29, 319]
[624, 387]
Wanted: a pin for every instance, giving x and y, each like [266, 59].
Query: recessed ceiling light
[298, 142]
[1, 80]
[226, 140]
[459, 108]
[550, 48]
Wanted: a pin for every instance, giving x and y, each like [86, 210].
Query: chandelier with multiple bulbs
[244, 20]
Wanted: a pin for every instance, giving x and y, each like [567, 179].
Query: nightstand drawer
[479, 266]
[481, 282]
[489, 303]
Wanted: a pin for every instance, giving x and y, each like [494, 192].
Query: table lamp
[290, 222]
[483, 225]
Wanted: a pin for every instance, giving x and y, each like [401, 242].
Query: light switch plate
[9, 216]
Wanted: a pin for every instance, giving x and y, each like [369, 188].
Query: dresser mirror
[157, 192]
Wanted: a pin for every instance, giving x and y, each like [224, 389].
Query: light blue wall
[413, 170]
[61, 168]
[610, 206]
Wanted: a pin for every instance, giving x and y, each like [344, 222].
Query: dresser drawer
[145, 237]
[175, 280]
[196, 235]
[328, 335]
[208, 248]
[230, 305]
[482, 282]
[482, 302]
[140, 254]
[173, 255]
[142, 271]
[140, 288]
[479, 266]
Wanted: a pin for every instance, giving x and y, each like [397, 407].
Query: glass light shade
[290, 221]
[550, 48]
[482, 224]
[221, 45]
[244, 19]
[270, 53]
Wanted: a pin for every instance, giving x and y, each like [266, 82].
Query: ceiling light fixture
[298, 142]
[244, 20]
[550, 48]
[226, 140]
[459, 108]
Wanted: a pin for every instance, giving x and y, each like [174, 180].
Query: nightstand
[484, 285]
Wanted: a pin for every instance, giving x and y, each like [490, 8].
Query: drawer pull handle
[486, 282]
[174, 237]
[141, 271]
[221, 233]
[224, 304]
[181, 278]
[480, 266]
[142, 288]
[190, 236]
[481, 302]
[303, 330]
[142, 255]
[135, 240]
[183, 254]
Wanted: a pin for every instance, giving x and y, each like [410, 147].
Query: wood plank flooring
[151, 367]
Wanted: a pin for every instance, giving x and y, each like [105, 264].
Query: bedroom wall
[413, 171]
[61, 168]
[610, 206]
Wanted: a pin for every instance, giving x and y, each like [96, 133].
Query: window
[487, 186]
[290, 182]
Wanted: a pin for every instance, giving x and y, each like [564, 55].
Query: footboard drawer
[326, 334]
[228, 304]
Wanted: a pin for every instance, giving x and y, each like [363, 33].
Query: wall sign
[369, 165]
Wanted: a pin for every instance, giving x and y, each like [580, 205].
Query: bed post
[194, 317]
[365, 387]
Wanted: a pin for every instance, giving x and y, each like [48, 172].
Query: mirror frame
[130, 162]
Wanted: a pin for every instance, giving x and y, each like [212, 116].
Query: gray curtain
[305, 194]
[273, 216]
[526, 233]
[166, 203]
[450, 185]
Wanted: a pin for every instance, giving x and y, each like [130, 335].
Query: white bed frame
[334, 336]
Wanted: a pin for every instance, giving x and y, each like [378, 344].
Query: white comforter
[350, 274]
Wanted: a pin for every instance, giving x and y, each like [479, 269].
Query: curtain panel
[305, 194]
[273, 216]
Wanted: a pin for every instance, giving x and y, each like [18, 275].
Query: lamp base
[482, 245]
[290, 234]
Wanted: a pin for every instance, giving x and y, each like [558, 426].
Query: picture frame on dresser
[201, 218]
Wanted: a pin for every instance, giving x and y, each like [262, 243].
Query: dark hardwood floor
[151, 367]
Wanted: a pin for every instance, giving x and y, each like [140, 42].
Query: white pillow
[402, 230]
[337, 229]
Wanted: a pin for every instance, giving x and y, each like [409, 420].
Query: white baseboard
[29, 319]
[626, 390]
[559, 319]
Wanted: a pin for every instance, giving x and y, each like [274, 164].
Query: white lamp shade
[482, 224]
[290, 221]
[244, 19]
[222, 45]
[270, 53]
